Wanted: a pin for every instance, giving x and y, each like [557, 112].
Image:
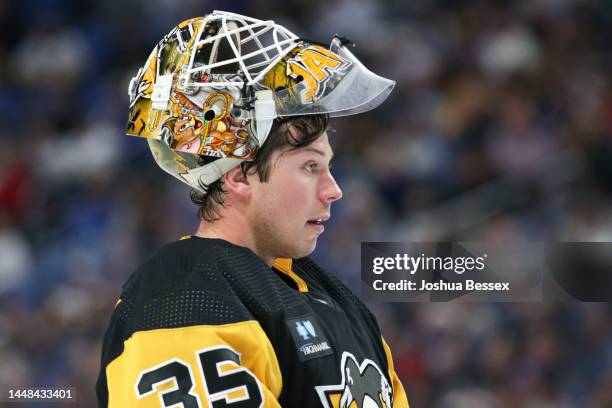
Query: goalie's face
[288, 212]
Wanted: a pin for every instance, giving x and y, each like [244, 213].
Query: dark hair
[309, 128]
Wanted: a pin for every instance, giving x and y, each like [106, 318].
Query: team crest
[363, 386]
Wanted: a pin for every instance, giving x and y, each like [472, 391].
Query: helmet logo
[315, 65]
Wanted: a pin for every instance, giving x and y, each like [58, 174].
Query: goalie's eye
[311, 167]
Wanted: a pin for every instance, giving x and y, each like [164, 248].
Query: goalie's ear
[237, 183]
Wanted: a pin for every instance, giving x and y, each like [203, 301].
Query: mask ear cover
[264, 106]
[209, 173]
[168, 160]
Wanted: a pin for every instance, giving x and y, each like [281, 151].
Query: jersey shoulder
[183, 284]
[178, 316]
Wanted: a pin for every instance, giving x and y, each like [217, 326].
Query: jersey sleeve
[196, 366]
[400, 400]
[198, 348]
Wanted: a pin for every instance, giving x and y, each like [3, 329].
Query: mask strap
[265, 111]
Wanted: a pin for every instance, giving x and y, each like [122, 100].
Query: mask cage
[244, 45]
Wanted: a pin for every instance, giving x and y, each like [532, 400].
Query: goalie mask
[212, 87]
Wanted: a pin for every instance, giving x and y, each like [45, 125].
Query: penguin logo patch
[363, 386]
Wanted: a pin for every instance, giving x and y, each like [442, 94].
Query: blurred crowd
[499, 129]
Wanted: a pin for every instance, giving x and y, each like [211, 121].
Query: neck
[234, 229]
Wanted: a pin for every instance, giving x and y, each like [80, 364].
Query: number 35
[218, 385]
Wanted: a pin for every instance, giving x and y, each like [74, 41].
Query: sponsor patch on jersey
[309, 338]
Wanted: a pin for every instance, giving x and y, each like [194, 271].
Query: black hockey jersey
[208, 323]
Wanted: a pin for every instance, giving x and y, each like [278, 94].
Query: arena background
[499, 129]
